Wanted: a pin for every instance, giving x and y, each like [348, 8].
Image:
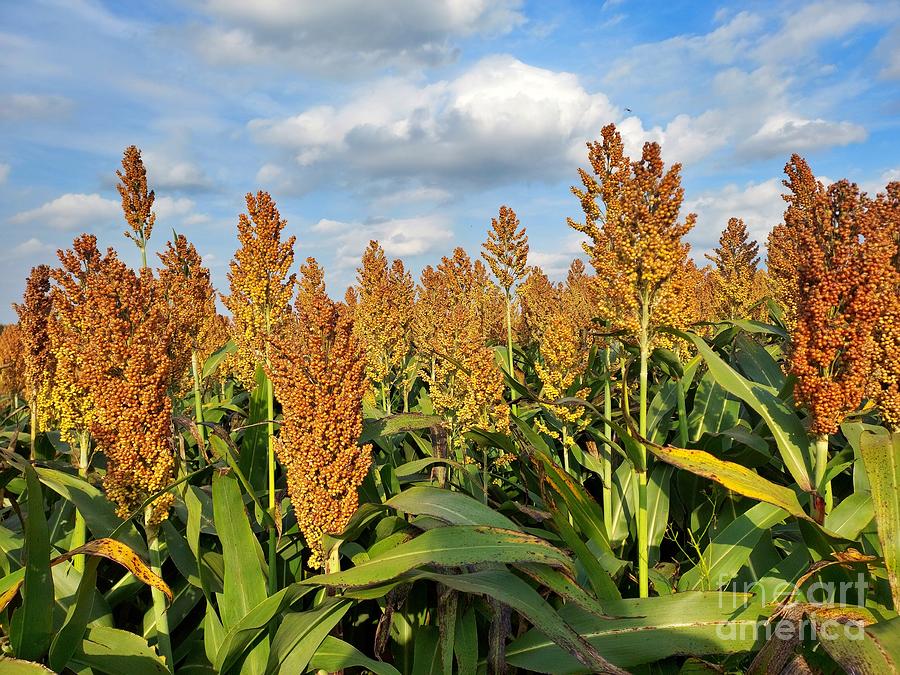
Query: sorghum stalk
[160, 613]
[509, 350]
[823, 488]
[79, 533]
[270, 465]
[642, 531]
[198, 404]
[606, 460]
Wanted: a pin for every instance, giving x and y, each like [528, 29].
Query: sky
[412, 122]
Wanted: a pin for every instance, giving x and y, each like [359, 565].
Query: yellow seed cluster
[635, 239]
[886, 374]
[845, 259]
[137, 201]
[451, 328]
[318, 371]
[192, 305]
[34, 313]
[12, 363]
[506, 249]
[261, 288]
[124, 361]
[383, 308]
[733, 276]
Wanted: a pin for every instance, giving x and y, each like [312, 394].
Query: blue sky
[412, 122]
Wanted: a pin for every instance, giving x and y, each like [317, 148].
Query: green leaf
[658, 507]
[851, 516]
[713, 409]
[32, 623]
[648, 630]
[453, 546]
[72, 632]
[517, 594]
[255, 441]
[214, 359]
[301, 634]
[881, 454]
[114, 651]
[757, 363]
[731, 549]
[872, 651]
[396, 424]
[244, 585]
[251, 627]
[466, 645]
[456, 508]
[99, 513]
[790, 436]
[334, 655]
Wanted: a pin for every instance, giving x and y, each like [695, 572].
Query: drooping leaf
[334, 655]
[456, 508]
[110, 650]
[71, 633]
[881, 454]
[301, 634]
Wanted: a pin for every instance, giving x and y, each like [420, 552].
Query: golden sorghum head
[191, 300]
[886, 380]
[845, 258]
[318, 371]
[12, 363]
[34, 313]
[736, 260]
[451, 330]
[261, 288]
[137, 201]
[383, 312]
[506, 249]
[635, 239]
[69, 403]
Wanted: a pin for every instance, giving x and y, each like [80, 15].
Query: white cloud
[29, 247]
[4, 172]
[346, 35]
[168, 172]
[31, 106]
[400, 237]
[759, 205]
[888, 50]
[782, 134]
[500, 121]
[412, 196]
[72, 211]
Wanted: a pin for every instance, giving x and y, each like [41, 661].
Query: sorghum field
[653, 467]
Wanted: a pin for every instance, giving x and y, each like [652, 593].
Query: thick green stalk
[270, 462]
[606, 459]
[198, 405]
[565, 444]
[385, 398]
[642, 530]
[79, 533]
[509, 350]
[143, 247]
[823, 488]
[34, 427]
[163, 641]
[682, 415]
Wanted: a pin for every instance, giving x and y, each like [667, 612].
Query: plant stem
[821, 465]
[34, 427]
[143, 247]
[642, 531]
[79, 533]
[509, 351]
[484, 473]
[606, 460]
[198, 406]
[682, 415]
[565, 444]
[270, 462]
[163, 642]
[385, 399]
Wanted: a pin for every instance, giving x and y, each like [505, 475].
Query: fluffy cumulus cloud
[781, 135]
[500, 121]
[167, 171]
[347, 35]
[759, 205]
[399, 237]
[72, 211]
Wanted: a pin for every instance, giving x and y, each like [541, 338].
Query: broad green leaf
[70, 635]
[874, 650]
[255, 441]
[881, 454]
[453, 546]
[648, 630]
[214, 359]
[334, 655]
[245, 585]
[31, 624]
[99, 513]
[246, 631]
[733, 476]
[11, 666]
[302, 633]
[110, 650]
[457, 508]
[730, 549]
[517, 594]
[790, 436]
[851, 516]
[713, 411]
[396, 424]
[466, 646]
[658, 507]
[757, 363]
